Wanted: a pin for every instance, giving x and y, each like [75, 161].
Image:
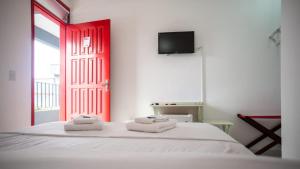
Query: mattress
[114, 138]
[189, 145]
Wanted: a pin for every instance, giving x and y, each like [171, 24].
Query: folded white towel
[156, 127]
[151, 119]
[85, 119]
[159, 118]
[70, 126]
[144, 120]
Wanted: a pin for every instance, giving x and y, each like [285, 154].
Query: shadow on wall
[123, 71]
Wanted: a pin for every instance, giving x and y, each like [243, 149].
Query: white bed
[49, 146]
[114, 138]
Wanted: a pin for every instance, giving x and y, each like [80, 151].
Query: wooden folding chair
[266, 132]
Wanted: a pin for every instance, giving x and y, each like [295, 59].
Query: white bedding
[114, 138]
[188, 146]
[186, 131]
[65, 160]
[46, 145]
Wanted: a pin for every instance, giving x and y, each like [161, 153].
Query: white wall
[15, 47]
[242, 68]
[290, 78]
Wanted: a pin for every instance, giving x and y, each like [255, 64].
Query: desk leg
[226, 128]
[200, 114]
[156, 111]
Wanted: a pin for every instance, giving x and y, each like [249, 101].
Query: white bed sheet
[64, 160]
[189, 145]
[186, 131]
[114, 138]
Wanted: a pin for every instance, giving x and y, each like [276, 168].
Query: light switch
[12, 75]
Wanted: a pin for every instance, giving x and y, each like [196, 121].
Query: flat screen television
[176, 42]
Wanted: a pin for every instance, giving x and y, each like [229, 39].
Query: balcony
[46, 99]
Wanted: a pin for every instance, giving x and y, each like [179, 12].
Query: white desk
[194, 108]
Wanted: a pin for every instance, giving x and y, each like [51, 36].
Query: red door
[87, 69]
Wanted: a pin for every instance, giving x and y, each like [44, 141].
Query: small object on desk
[225, 125]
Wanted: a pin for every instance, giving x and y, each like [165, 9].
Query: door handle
[105, 84]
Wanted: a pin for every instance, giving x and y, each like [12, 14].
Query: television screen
[176, 42]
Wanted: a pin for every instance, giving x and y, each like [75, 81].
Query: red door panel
[87, 69]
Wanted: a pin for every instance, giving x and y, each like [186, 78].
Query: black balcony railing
[46, 96]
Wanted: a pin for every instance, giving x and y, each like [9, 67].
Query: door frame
[35, 6]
